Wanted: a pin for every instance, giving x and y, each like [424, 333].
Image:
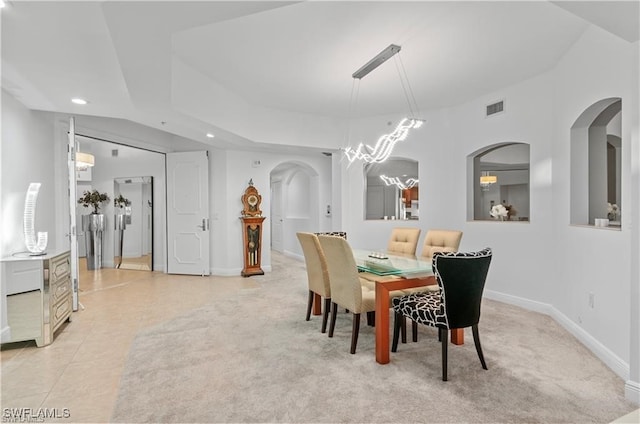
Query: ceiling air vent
[494, 108]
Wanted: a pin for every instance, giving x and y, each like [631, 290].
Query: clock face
[252, 200]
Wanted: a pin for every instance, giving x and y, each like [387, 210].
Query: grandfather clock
[252, 231]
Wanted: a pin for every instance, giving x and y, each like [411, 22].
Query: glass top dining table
[412, 271]
[383, 263]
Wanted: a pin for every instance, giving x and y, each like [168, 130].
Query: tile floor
[80, 371]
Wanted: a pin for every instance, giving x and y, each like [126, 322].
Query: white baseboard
[226, 272]
[230, 272]
[632, 391]
[5, 334]
[293, 255]
[233, 272]
[613, 361]
[532, 305]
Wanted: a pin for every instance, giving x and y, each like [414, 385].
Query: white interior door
[188, 213]
[276, 216]
[73, 235]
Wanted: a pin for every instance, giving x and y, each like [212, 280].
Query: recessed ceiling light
[79, 101]
[210, 135]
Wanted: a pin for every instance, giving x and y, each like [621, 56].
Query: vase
[93, 226]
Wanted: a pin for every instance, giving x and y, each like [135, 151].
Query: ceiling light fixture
[385, 144]
[378, 60]
[409, 183]
[210, 135]
[79, 101]
[486, 180]
[84, 161]
[2, 4]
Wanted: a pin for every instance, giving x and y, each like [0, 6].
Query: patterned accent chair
[434, 241]
[333, 233]
[461, 278]
[317, 274]
[347, 290]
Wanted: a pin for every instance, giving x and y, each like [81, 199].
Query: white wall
[589, 260]
[237, 170]
[544, 264]
[28, 155]
[442, 146]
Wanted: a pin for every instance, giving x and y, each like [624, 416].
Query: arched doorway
[294, 204]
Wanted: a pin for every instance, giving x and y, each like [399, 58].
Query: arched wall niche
[507, 164]
[596, 165]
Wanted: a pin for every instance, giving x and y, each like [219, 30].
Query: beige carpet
[250, 357]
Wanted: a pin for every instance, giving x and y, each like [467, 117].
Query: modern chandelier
[409, 183]
[385, 144]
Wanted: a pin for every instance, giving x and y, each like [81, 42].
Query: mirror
[391, 189]
[133, 238]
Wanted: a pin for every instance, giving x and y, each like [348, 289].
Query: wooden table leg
[317, 304]
[382, 311]
[457, 336]
[382, 324]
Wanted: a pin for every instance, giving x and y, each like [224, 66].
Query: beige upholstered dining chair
[404, 240]
[440, 241]
[317, 274]
[347, 290]
[437, 241]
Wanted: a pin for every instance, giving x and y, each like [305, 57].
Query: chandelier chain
[408, 92]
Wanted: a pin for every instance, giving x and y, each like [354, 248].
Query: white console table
[38, 295]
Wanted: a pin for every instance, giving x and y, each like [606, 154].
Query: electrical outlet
[592, 298]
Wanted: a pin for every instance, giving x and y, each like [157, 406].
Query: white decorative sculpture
[34, 245]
